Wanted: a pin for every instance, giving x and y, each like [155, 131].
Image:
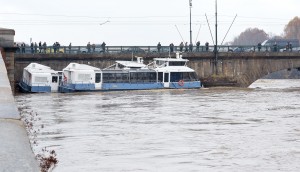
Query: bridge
[229, 68]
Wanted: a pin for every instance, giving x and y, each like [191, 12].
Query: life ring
[181, 83]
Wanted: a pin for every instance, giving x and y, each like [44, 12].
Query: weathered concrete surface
[15, 151]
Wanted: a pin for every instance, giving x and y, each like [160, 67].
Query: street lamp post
[190, 21]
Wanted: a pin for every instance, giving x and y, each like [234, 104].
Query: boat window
[115, 77]
[160, 77]
[138, 77]
[133, 77]
[176, 63]
[84, 77]
[159, 63]
[152, 77]
[40, 79]
[186, 76]
[176, 76]
[166, 79]
[125, 77]
[109, 77]
[98, 78]
[54, 79]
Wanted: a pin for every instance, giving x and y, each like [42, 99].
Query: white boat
[162, 73]
[39, 78]
[171, 73]
[80, 77]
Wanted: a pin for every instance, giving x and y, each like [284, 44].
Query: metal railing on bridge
[148, 49]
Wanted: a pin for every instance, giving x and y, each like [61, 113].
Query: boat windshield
[185, 76]
[176, 63]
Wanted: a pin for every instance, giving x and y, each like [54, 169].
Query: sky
[141, 22]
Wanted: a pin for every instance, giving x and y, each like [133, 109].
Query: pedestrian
[158, 47]
[171, 47]
[191, 47]
[198, 46]
[259, 46]
[181, 46]
[290, 46]
[88, 46]
[40, 47]
[57, 47]
[23, 47]
[103, 47]
[45, 47]
[54, 47]
[206, 46]
[93, 47]
[186, 47]
[35, 47]
[31, 47]
[70, 46]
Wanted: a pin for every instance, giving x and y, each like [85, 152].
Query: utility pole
[190, 21]
[216, 49]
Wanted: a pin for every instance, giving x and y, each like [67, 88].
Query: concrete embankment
[15, 151]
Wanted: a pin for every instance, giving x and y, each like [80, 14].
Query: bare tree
[251, 36]
[292, 29]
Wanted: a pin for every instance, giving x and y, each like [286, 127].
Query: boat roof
[175, 69]
[39, 68]
[171, 59]
[131, 64]
[77, 66]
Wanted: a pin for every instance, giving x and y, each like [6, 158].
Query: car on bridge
[295, 49]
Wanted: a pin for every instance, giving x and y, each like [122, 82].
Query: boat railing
[109, 67]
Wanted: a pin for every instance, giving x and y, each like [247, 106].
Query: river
[215, 129]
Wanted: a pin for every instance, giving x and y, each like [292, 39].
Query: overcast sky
[140, 22]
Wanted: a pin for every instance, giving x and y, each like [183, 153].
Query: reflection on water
[216, 129]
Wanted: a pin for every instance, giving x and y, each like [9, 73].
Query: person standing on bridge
[206, 46]
[23, 47]
[35, 47]
[31, 47]
[70, 46]
[181, 46]
[158, 47]
[198, 46]
[88, 46]
[93, 47]
[171, 47]
[40, 47]
[45, 47]
[186, 47]
[103, 47]
[191, 47]
[54, 47]
[259, 46]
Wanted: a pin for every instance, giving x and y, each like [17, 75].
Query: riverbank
[15, 150]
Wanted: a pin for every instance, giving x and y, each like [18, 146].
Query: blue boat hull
[128, 86]
[34, 89]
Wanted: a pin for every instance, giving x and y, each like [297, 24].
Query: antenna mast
[190, 21]
[216, 26]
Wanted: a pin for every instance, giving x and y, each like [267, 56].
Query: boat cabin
[39, 78]
[174, 72]
[80, 77]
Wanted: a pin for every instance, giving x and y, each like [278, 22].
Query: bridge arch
[248, 69]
